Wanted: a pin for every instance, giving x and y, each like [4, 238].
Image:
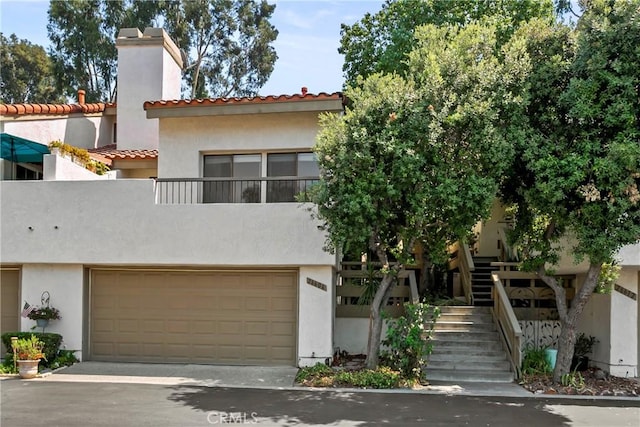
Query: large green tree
[227, 43]
[26, 73]
[231, 42]
[576, 180]
[381, 42]
[418, 160]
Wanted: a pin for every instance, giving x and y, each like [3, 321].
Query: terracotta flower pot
[28, 368]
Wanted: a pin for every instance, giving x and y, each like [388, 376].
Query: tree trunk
[427, 278]
[375, 319]
[379, 301]
[568, 321]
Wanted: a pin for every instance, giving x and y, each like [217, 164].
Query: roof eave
[333, 104]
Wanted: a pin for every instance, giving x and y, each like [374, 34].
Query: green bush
[310, 372]
[535, 362]
[51, 343]
[408, 340]
[383, 377]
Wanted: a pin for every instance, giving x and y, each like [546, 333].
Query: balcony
[233, 190]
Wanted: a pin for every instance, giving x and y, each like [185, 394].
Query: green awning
[20, 150]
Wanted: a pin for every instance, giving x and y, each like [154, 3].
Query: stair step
[469, 358]
[454, 334]
[468, 352]
[477, 318]
[465, 345]
[469, 375]
[463, 309]
[464, 326]
[501, 365]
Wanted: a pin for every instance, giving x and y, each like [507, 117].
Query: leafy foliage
[418, 160]
[573, 379]
[576, 180]
[46, 313]
[64, 358]
[584, 344]
[30, 348]
[408, 340]
[381, 42]
[535, 362]
[321, 375]
[382, 377]
[26, 74]
[231, 40]
[51, 342]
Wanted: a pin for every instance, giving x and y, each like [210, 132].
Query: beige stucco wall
[183, 141]
[487, 244]
[88, 131]
[612, 319]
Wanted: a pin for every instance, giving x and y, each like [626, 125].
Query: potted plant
[42, 315]
[28, 352]
[583, 346]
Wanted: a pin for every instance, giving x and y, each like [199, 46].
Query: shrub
[408, 340]
[51, 343]
[64, 358]
[28, 348]
[535, 362]
[383, 377]
[312, 372]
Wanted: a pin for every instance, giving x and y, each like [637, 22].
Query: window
[292, 167]
[236, 189]
[237, 178]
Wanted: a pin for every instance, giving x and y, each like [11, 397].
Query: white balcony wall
[117, 222]
[79, 130]
[61, 168]
[182, 151]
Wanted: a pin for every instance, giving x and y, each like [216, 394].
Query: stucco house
[198, 247]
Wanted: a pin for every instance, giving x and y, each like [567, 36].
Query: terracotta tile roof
[304, 96]
[60, 109]
[111, 152]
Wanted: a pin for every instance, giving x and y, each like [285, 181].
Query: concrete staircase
[481, 282]
[467, 348]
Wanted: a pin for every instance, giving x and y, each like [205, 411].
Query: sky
[307, 44]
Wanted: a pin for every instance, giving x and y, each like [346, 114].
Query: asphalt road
[40, 403]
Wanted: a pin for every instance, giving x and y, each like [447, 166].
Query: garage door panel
[197, 317]
[178, 326]
[9, 302]
[283, 328]
[282, 304]
[257, 328]
[128, 326]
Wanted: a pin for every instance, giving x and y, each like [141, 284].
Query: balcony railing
[233, 190]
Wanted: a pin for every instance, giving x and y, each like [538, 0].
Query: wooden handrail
[509, 328]
[466, 266]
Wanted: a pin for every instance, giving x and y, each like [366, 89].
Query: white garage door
[193, 316]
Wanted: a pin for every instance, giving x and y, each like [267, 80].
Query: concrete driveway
[269, 377]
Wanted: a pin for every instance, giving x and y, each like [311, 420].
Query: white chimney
[149, 69]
